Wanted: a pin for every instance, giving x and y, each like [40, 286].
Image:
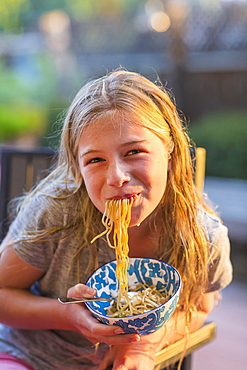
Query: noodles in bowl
[139, 300]
[149, 273]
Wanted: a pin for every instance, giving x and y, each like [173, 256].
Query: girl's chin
[134, 224]
[137, 222]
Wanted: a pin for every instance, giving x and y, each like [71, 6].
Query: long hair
[152, 107]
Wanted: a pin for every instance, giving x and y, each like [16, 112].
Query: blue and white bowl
[141, 270]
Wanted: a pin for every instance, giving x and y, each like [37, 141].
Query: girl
[122, 137]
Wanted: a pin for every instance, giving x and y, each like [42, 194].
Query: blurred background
[197, 48]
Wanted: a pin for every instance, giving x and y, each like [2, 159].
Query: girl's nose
[117, 175]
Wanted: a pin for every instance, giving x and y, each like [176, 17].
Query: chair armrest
[172, 353]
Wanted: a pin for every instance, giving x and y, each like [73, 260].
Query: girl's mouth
[126, 196]
[135, 197]
[132, 197]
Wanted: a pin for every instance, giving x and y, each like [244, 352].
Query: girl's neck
[144, 240]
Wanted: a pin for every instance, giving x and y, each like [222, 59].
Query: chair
[169, 356]
[200, 165]
[20, 169]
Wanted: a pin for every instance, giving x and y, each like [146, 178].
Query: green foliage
[90, 9]
[16, 14]
[224, 136]
[34, 103]
[56, 118]
[25, 104]
[14, 89]
[10, 12]
[21, 120]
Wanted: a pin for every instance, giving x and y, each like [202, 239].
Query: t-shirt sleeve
[220, 267]
[41, 213]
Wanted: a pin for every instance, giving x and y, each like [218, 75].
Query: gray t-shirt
[69, 350]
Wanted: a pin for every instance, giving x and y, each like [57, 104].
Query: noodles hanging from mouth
[116, 219]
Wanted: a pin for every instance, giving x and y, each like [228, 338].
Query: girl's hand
[83, 321]
[128, 357]
[141, 355]
[135, 356]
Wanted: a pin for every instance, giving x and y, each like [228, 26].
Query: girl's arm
[21, 309]
[141, 355]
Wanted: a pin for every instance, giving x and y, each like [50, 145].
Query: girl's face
[119, 159]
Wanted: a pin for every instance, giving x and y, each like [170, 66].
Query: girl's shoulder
[211, 223]
[219, 263]
[51, 205]
[55, 193]
[215, 230]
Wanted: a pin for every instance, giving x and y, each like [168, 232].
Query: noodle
[145, 298]
[117, 218]
[118, 214]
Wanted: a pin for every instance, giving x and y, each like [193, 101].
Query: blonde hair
[152, 107]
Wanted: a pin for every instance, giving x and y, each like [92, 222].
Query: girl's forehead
[120, 128]
[112, 122]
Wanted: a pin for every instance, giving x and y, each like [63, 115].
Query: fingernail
[90, 290]
[136, 338]
[119, 331]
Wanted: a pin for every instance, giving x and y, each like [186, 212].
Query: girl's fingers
[113, 332]
[107, 333]
[90, 327]
[113, 340]
[129, 357]
[81, 290]
[95, 331]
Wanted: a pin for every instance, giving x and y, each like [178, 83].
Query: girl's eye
[134, 151]
[95, 160]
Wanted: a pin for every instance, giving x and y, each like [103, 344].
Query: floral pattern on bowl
[141, 270]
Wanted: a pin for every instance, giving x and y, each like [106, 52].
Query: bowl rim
[141, 314]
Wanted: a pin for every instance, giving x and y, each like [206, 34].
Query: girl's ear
[169, 163]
